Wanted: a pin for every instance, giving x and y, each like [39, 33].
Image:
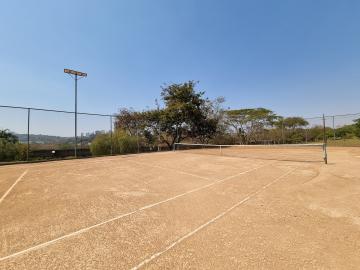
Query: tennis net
[281, 152]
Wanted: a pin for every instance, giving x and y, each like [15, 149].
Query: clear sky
[294, 57]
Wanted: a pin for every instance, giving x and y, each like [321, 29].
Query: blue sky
[294, 57]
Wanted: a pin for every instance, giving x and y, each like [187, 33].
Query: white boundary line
[252, 145]
[101, 159]
[80, 174]
[39, 246]
[52, 165]
[169, 169]
[13, 185]
[251, 195]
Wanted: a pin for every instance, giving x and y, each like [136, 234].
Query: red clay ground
[182, 211]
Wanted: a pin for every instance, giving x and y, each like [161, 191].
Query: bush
[225, 139]
[122, 143]
[296, 137]
[10, 151]
[100, 145]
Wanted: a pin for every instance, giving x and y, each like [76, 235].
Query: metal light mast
[77, 75]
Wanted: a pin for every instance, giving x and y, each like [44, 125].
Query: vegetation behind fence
[183, 115]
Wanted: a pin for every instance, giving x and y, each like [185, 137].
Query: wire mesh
[48, 134]
[280, 152]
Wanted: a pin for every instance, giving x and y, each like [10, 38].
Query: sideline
[13, 185]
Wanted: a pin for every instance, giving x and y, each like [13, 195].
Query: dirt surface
[182, 211]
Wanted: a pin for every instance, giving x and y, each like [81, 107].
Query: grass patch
[344, 142]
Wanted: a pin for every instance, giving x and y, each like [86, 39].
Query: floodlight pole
[81, 75]
[28, 135]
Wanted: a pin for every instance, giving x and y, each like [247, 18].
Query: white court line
[81, 162]
[13, 185]
[251, 195]
[36, 247]
[168, 169]
[103, 159]
[152, 166]
[79, 174]
[62, 163]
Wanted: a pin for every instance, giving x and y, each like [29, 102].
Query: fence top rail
[335, 115]
[51, 110]
[253, 145]
[100, 114]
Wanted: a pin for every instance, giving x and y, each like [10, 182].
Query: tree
[292, 129]
[295, 122]
[130, 121]
[187, 113]
[250, 124]
[357, 127]
[6, 135]
[347, 131]
[10, 148]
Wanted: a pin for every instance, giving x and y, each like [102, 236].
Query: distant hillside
[50, 139]
[45, 139]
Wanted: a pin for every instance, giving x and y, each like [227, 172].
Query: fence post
[333, 123]
[137, 139]
[111, 136]
[159, 138]
[325, 141]
[75, 149]
[28, 135]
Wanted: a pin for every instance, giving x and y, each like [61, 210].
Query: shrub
[225, 139]
[122, 143]
[10, 151]
[100, 145]
[21, 151]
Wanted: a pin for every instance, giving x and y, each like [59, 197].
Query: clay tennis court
[181, 210]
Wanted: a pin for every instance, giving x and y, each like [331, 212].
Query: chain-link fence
[49, 134]
[33, 134]
[336, 130]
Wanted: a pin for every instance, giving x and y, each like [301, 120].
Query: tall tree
[292, 129]
[187, 114]
[357, 127]
[249, 124]
[129, 120]
[6, 135]
[295, 122]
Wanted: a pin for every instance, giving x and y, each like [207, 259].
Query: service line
[248, 197]
[169, 169]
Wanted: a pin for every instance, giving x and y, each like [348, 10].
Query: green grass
[344, 142]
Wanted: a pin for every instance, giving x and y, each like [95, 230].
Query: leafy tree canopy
[6, 135]
[294, 122]
[249, 122]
